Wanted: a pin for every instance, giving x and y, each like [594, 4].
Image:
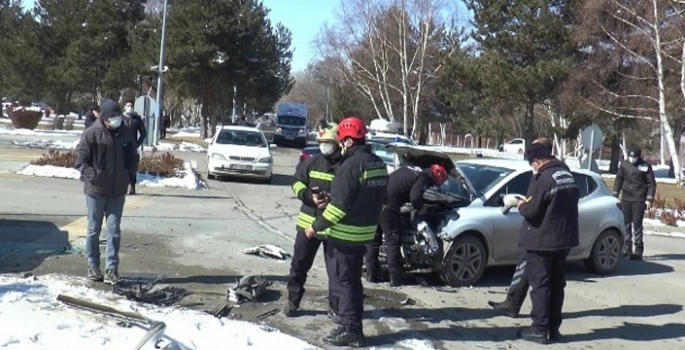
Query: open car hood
[409, 155]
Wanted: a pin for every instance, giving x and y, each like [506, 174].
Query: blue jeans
[98, 208]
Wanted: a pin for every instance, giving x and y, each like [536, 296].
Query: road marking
[77, 229]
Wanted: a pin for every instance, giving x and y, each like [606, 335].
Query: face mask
[632, 159]
[327, 149]
[114, 122]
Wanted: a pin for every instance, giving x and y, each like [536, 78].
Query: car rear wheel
[465, 261]
[606, 253]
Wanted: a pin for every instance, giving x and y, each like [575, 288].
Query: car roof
[518, 165]
[239, 128]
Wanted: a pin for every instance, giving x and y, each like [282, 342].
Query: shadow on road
[25, 244]
[276, 180]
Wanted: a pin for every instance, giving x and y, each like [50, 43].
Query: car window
[517, 185]
[454, 186]
[292, 120]
[516, 142]
[241, 138]
[586, 184]
[388, 157]
[483, 177]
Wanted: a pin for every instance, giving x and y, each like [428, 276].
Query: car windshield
[241, 138]
[291, 120]
[387, 156]
[483, 177]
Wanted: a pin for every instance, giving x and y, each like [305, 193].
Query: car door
[507, 226]
[589, 215]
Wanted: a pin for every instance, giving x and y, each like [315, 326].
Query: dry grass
[667, 192]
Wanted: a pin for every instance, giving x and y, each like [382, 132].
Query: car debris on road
[248, 288]
[269, 251]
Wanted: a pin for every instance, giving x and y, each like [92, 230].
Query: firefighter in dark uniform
[518, 289]
[357, 195]
[311, 184]
[549, 231]
[635, 178]
[405, 185]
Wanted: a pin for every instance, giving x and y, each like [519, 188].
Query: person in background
[133, 121]
[91, 116]
[104, 157]
[635, 178]
[166, 124]
[312, 185]
[549, 231]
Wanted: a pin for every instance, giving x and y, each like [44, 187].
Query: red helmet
[352, 127]
[439, 174]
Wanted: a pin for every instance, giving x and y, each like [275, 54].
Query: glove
[511, 200]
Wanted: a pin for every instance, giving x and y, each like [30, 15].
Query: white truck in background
[291, 124]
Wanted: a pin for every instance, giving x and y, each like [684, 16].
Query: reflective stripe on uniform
[333, 213]
[298, 187]
[353, 233]
[370, 174]
[305, 220]
[321, 175]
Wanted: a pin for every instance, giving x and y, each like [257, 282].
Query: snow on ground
[32, 318]
[187, 179]
[48, 144]
[184, 132]
[183, 147]
[12, 131]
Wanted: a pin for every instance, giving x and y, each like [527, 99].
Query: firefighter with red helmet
[405, 185]
[350, 219]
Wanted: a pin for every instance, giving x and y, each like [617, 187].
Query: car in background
[387, 138]
[486, 232]
[376, 147]
[240, 151]
[514, 146]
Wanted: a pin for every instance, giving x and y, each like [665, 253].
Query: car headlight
[217, 156]
[266, 159]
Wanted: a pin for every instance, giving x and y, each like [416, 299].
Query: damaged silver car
[467, 227]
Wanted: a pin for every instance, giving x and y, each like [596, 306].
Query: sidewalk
[654, 227]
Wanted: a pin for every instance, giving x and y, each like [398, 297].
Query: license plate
[289, 137]
[241, 166]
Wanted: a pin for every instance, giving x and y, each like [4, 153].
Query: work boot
[132, 189]
[627, 250]
[111, 277]
[637, 255]
[334, 317]
[554, 335]
[533, 335]
[372, 273]
[290, 309]
[346, 336]
[397, 278]
[94, 274]
[505, 308]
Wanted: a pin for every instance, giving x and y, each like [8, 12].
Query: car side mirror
[510, 201]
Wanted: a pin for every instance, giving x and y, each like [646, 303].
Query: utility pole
[235, 94]
[328, 117]
[160, 80]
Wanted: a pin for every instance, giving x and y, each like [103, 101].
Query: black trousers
[162, 133]
[133, 180]
[633, 213]
[304, 253]
[390, 228]
[345, 282]
[518, 289]
[547, 275]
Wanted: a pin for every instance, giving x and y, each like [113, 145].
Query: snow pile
[27, 132]
[48, 144]
[31, 109]
[182, 147]
[187, 179]
[32, 318]
[186, 132]
[50, 171]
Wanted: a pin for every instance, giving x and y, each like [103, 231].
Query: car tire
[606, 253]
[268, 181]
[210, 176]
[465, 247]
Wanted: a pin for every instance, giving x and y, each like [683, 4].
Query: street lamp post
[160, 79]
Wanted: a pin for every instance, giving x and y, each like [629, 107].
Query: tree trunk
[205, 112]
[528, 130]
[616, 154]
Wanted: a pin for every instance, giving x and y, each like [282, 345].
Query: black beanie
[635, 152]
[109, 109]
[538, 151]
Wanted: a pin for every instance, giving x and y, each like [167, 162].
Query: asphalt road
[195, 239]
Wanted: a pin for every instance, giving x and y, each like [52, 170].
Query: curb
[665, 234]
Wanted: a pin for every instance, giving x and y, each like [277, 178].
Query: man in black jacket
[635, 178]
[357, 195]
[104, 156]
[133, 121]
[549, 231]
[312, 186]
[405, 185]
[518, 289]
[91, 116]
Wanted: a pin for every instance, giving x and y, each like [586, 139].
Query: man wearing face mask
[349, 222]
[105, 156]
[549, 231]
[133, 121]
[312, 186]
[635, 178]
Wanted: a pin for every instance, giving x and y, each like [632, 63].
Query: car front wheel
[465, 261]
[606, 253]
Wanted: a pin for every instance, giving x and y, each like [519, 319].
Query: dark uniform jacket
[357, 196]
[551, 210]
[90, 119]
[407, 185]
[317, 171]
[636, 180]
[104, 158]
[135, 122]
